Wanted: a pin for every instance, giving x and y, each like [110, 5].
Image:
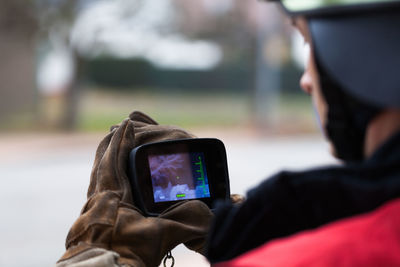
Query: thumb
[110, 171]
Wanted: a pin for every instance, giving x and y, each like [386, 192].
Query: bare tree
[56, 18]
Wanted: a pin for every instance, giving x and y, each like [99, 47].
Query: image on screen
[178, 176]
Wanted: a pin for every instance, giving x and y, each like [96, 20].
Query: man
[356, 97]
[337, 216]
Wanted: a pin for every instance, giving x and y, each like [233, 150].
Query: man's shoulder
[370, 239]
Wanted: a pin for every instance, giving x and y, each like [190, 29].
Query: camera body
[165, 173]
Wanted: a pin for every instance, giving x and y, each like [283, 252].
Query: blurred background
[70, 69]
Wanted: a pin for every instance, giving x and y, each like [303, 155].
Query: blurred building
[17, 74]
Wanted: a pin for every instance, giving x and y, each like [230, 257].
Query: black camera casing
[141, 179]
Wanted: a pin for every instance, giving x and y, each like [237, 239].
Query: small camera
[165, 173]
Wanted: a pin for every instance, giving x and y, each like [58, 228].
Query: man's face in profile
[309, 81]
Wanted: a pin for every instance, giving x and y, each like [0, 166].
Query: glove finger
[138, 116]
[113, 127]
[101, 149]
[188, 223]
[111, 172]
[157, 133]
[148, 130]
[137, 238]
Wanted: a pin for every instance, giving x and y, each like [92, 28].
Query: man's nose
[306, 83]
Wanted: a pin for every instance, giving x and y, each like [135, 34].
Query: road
[44, 177]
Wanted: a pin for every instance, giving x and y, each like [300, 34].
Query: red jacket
[370, 239]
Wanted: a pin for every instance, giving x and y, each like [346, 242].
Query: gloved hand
[109, 220]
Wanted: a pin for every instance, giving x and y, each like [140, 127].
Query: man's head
[351, 72]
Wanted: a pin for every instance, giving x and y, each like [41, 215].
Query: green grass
[101, 108]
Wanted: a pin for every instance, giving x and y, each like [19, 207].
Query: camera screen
[178, 176]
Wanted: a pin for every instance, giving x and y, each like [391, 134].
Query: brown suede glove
[109, 220]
